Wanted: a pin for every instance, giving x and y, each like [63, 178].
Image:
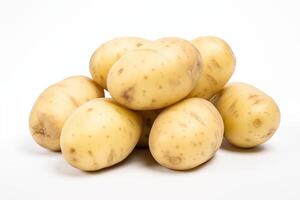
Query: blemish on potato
[145, 77]
[127, 94]
[89, 110]
[160, 86]
[248, 140]
[257, 123]
[72, 150]
[138, 44]
[211, 80]
[90, 152]
[107, 136]
[74, 159]
[111, 156]
[177, 146]
[153, 100]
[174, 160]
[215, 64]
[120, 71]
[73, 100]
[197, 117]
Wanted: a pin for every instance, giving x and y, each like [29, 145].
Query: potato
[186, 134]
[99, 134]
[148, 117]
[250, 116]
[108, 53]
[54, 106]
[155, 75]
[218, 66]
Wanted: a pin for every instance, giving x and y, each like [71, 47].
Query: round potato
[186, 134]
[148, 117]
[54, 106]
[99, 134]
[218, 66]
[155, 75]
[108, 53]
[250, 116]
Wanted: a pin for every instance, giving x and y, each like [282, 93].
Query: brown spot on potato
[111, 156]
[270, 132]
[160, 86]
[211, 80]
[120, 71]
[74, 159]
[248, 140]
[107, 136]
[174, 160]
[90, 152]
[197, 117]
[72, 150]
[73, 100]
[177, 146]
[145, 77]
[215, 64]
[138, 44]
[128, 93]
[89, 110]
[153, 100]
[257, 123]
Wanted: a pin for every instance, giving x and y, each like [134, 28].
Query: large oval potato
[99, 134]
[54, 106]
[250, 116]
[155, 75]
[108, 53]
[218, 66]
[148, 117]
[186, 134]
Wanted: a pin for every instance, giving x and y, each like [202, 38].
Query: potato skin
[148, 117]
[108, 53]
[99, 134]
[218, 66]
[54, 106]
[250, 116]
[156, 75]
[186, 134]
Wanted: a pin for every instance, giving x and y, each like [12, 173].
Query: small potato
[155, 75]
[54, 106]
[148, 117]
[218, 66]
[99, 134]
[108, 53]
[250, 116]
[186, 134]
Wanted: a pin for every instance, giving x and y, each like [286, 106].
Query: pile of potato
[168, 95]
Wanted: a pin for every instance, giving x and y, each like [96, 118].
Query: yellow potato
[186, 134]
[99, 134]
[108, 53]
[54, 106]
[218, 66]
[156, 75]
[148, 117]
[250, 116]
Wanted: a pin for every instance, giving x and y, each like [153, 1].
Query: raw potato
[148, 117]
[54, 106]
[218, 66]
[186, 134]
[155, 75]
[99, 134]
[108, 53]
[250, 116]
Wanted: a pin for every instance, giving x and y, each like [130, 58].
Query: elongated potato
[99, 134]
[108, 53]
[186, 134]
[148, 117]
[54, 106]
[250, 116]
[155, 75]
[218, 66]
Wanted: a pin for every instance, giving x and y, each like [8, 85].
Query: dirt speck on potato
[89, 110]
[145, 77]
[120, 71]
[90, 152]
[72, 150]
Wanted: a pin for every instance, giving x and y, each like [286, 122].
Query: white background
[42, 42]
